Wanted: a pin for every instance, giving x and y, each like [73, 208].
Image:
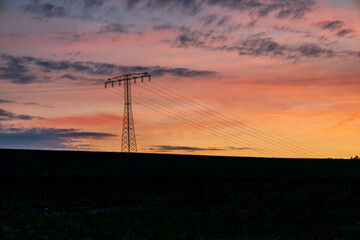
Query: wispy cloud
[331, 25]
[18, 69]
[6, 101]
[8, 116]
[114, 27]
[354, 116]
[259, 45]
[336, 25]
[26, 103]
[37, 104]
[282, 9]
[45, 10]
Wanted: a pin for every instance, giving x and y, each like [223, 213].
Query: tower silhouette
[128, 140]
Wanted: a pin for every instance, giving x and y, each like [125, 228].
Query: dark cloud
[335, 26]
[8, 116]
[68, 76]
[293, 9]
[114, 28]
[331, 25]
[181, 72]
[312, 50]
[46, 138]
[27, 103]
[72, 9]
[74, 53]
[165, 148]
[223, 21]
[45, 10]
[12, 35]
[36, 104]
[209, 19]
[281, 8]
[252, 23]
[197, 39]
[14, 64]
[344, 32]
[6, 101]
[188, 6]
[258, 46]
[91, 4]
[289, 29]
[71, 37]
[186, 40]
[16, 70]
[162, 27]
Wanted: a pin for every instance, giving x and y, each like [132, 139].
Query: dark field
[83, 195]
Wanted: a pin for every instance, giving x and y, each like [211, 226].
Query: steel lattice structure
[128, 140]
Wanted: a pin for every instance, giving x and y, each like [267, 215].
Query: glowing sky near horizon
[290, 67]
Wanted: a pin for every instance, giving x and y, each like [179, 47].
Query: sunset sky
[246, 77]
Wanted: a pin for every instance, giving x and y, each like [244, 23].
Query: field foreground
[93, 195]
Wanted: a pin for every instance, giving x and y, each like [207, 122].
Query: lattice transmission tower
[128, 140]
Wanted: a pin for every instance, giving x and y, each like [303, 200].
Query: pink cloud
[354, 116]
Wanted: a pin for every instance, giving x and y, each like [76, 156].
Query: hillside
[95, 195]
[76, 163]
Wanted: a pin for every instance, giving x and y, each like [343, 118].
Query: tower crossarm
[127, 77]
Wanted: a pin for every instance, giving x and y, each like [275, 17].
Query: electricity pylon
[128, 141]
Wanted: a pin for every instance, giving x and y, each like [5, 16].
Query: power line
[248, 128]
[168, 113]
[225, 134]
[230, 125]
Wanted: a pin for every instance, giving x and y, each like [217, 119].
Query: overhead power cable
[274, 137]
[163, 110]
[228, 123]
[220, 133]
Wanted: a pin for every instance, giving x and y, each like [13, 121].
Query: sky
[274, 78]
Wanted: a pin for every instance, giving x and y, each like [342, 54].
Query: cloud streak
[18, 69]
[280, 8]
[26, 103]
[114, 27]
[354, 116]
[168, 148]
[258, 45]
[6, 101]
[335, 25]
[46, 138]
[45, 10]
[9, 116]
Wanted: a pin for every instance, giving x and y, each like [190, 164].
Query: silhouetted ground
[86, 195]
